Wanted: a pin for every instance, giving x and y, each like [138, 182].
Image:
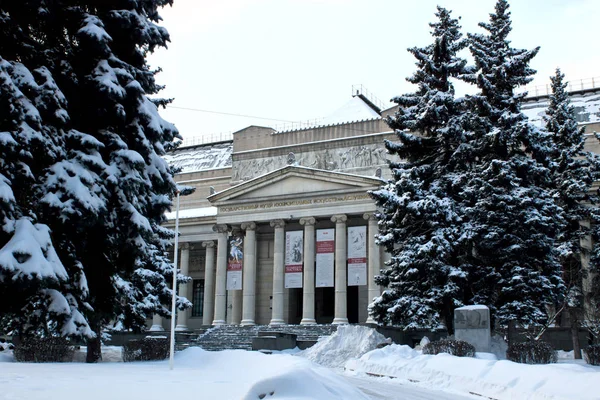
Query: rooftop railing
[360, 89]
[205, 139]
[572, 86]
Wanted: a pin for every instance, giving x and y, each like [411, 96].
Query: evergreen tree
[39, 296]
[514, 218]
[105, 189]
[574, 171]
[420, 221]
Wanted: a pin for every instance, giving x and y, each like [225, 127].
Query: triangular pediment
[295, 181]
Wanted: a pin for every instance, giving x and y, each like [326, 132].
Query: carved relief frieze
[339, 160]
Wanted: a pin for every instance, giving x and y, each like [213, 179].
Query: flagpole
[173, 300]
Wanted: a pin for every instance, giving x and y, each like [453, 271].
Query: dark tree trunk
[449, 317]
[574, 323]
[94, 348]
[511, 335]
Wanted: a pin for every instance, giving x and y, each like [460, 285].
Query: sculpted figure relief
[337, 160]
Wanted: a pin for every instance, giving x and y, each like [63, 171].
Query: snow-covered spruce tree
[39, 296]
[574, 172]
[419, 222]
[508, 197]
[105, 196]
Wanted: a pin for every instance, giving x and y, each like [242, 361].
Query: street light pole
[173, 300]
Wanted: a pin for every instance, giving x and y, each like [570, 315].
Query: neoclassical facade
[280, 229]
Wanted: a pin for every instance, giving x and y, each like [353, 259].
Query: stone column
[341, 270]
[156, 324]
[249, 296]
[182, 316]
[374, 261]
[209, 283]
[278, 272]
[308, 295]
[221, 276]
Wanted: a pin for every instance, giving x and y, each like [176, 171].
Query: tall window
[198, 297]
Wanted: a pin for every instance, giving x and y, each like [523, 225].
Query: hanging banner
[293, 259]
[325, 257]
[357, 256]
[235, 261]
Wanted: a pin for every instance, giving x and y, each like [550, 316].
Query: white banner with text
[357, 255]
[325, 258]
[235, 261]
[293, 259]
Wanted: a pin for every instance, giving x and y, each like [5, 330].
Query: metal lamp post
[173, 300]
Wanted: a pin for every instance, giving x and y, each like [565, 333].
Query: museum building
[280, 228]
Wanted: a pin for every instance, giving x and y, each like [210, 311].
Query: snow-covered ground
[198, 374]
[404, 373]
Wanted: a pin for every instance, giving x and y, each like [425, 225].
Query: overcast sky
[296, 60]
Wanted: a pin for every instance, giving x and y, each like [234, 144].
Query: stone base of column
[370, 320]
[182, 328]
[307, 321]
[277, 322]
[340, 321]
[218, 322]
[247, 322]
[156, 328]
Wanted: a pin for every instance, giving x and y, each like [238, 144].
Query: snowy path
[391, 389]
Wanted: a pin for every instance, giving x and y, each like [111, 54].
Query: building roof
[200, 158]
[356, 109]
[586, 104]
[218, 155]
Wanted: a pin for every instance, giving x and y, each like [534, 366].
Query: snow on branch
[30, 254]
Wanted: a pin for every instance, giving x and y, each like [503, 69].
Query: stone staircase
[229, 337]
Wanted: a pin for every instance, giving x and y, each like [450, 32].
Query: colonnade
[243, 301]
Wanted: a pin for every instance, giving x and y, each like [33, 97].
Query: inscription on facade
[293, 203]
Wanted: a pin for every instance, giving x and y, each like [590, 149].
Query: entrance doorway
[295, 306]
[352, 304]
[324, 305]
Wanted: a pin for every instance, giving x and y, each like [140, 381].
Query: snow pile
[226, 375]
[291, 383]
[6, 356]
[346, 343]
[6, 353]
[498, 347]
[484, 376]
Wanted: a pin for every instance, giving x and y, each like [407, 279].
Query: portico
[280, 228]
[261, 217]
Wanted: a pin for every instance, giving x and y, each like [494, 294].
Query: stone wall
[256, 137]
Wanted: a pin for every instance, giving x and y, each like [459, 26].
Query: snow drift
[485, 376]
[346, 343]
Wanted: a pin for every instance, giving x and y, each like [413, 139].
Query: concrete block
[472, 324]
